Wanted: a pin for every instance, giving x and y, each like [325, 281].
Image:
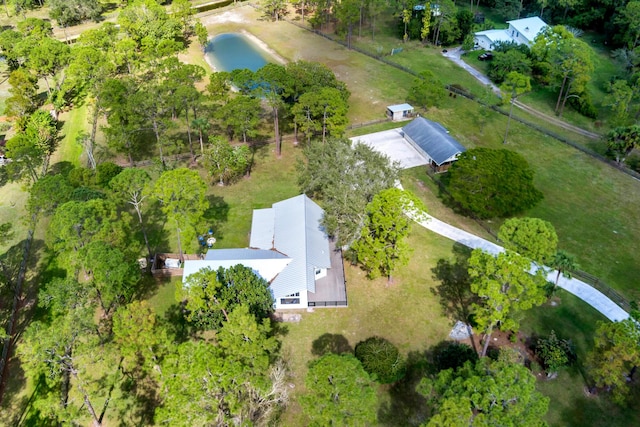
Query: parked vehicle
[487, 56]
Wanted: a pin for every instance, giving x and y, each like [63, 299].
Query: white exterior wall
[483, 42]
[517, 36]
[303, 302]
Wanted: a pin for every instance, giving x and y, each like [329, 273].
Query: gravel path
[455, 56]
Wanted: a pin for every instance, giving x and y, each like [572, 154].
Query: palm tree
[565, 263]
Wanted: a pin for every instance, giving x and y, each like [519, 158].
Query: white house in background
[290, 249]
[521, 31]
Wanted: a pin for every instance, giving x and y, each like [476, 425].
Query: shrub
[104, 172]
[584, 105]
[380, 359]
[554, 352]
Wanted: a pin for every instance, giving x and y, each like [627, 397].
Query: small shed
[434, 141]
[399, 112]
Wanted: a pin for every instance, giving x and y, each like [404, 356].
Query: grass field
[600, 234]
[570, 405]
[594, 208]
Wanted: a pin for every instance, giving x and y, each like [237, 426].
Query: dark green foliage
[464, 18]
[48, 193]
[584, 105]
[211, 295]
[81, 177]
[492, 183]
[504, 63]
[105, 172]
[554, 352]
[72, 12]
[427, 90]
[621, 141]
[339, 392]
[485, 393]
[380, 359]
[453, 355]
[356, 176]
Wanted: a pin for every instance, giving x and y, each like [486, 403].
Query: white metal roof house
[399, 112]
[434, 141]
[521, 31]
[291, 250]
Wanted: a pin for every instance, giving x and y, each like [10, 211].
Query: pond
[228, 52]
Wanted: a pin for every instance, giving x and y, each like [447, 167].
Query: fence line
[613, 295]
[327, 304]
[589, 279]
[369, 123]
[470, 96]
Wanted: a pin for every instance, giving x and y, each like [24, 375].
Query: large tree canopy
[615, 356]
[211, 295]
[382, 245]
[182, 194]
[505, 288]
[492, 183]
[339, 392]
[356, 175]
[533, 238]
[487, 393]
[231, 383]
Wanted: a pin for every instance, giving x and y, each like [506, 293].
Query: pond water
[228, 52]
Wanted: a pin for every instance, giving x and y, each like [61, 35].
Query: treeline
[447, 22]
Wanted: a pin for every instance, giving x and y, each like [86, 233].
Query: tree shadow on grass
[407, 407]
[454, 291]
[178, 328]
[144, 399]
[330, 343]
[217, 214]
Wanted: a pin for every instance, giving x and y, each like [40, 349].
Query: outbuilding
[434, 141]
[399, 112]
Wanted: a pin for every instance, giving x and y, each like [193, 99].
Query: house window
[285, 301]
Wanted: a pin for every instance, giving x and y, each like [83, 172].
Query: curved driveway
[585, 292]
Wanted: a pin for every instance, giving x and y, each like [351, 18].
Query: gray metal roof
[400, 107]
[241, 254]
[265, 263]
[299, 235]
[433, 139]
[262, 228]
[292, 245]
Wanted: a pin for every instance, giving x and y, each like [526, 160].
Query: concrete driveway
[392, 144]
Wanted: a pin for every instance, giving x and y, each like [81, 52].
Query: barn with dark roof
[433, 140]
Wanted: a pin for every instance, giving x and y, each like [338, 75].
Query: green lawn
[13, 201]
[569, 405]
[73, 124]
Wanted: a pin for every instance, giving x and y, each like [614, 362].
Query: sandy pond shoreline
[235, 17]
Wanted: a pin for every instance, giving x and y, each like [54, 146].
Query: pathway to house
[455, 56]
[585, 292]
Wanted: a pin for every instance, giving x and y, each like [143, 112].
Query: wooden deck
[331, 290]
